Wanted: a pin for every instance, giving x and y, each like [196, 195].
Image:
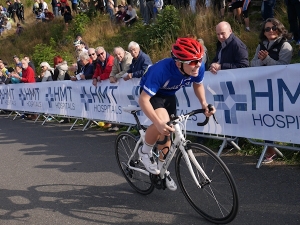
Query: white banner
[257, 102]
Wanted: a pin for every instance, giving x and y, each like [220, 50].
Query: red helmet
[187, 49]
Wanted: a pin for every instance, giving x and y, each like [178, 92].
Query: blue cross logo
[133, 98]
[22, 97]
[230, 102]
[49, 97]
[85, 98]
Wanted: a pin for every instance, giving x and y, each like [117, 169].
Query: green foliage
[43, 53]
[166, 27]
[79, 23]
[47, 52]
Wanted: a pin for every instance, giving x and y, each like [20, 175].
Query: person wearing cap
[158, 101]
[46, 72]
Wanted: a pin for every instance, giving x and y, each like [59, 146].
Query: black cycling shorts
[163, 101]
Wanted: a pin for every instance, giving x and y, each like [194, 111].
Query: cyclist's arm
[200, 94]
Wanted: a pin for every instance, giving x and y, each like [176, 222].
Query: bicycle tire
[217, 201]
[124, 146]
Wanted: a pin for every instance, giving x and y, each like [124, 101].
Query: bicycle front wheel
[124, 146]
[216, 201]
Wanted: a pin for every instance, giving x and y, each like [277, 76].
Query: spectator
[104, 65]
[219, 6]
[79, 47]
[143, 9]
[86, 72]
[140, 62]
[268, 8]
[4, 72]
[110, 9]
[47, 72]
[18, 71]
[273, 49]
[241, 6]
[193, 6]
[60, 69]
[19, 29]
[36, 7]
[49, 16]
[93, 58]
[7, 24]
[99, 4]
[148, 11]
[54, 4]
[40, 16]
[74, 6]
[27, 73]
[231, 52]
[31, 64]
[121, 65]
[131, 16]
[17, 60]
[293, 11]
[20, 10]
[11, 10]
[44, 5]
[66, 12]
[120, 15]
[158, 4]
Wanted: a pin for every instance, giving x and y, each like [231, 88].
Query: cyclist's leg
[151, 136]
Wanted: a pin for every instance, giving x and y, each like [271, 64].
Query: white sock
[147, 148]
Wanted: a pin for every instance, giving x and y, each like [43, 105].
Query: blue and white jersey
[164, 78]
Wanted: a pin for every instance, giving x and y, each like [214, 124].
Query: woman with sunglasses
[273, 48]
[158, 101]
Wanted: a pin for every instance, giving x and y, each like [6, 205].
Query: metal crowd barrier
[225, 139]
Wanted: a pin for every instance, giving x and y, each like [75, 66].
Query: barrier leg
[74, 124]
[261, 157]
[86, 125]
[10, 114]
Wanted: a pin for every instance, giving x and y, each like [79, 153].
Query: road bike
[203, 177]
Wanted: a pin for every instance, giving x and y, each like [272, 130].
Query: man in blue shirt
[158, 101]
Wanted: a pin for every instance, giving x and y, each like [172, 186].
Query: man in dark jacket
[231, 53]
[140, 62]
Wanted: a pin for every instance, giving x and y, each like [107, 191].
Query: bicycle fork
[189, 156]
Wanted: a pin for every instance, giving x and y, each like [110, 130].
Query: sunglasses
[100, 54]
[91, 54]
[193, 62]
[268, 29]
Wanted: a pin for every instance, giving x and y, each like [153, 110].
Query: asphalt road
[51, 175]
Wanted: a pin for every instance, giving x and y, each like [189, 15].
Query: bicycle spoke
[124, 146]
[217, 201]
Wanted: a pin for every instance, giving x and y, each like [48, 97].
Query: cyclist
[157, 100]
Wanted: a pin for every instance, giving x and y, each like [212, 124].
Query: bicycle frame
[180, 143]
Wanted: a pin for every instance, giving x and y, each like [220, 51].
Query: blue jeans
[269, 9]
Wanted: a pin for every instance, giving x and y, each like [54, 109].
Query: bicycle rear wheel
[124, 146]
[216, 201]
